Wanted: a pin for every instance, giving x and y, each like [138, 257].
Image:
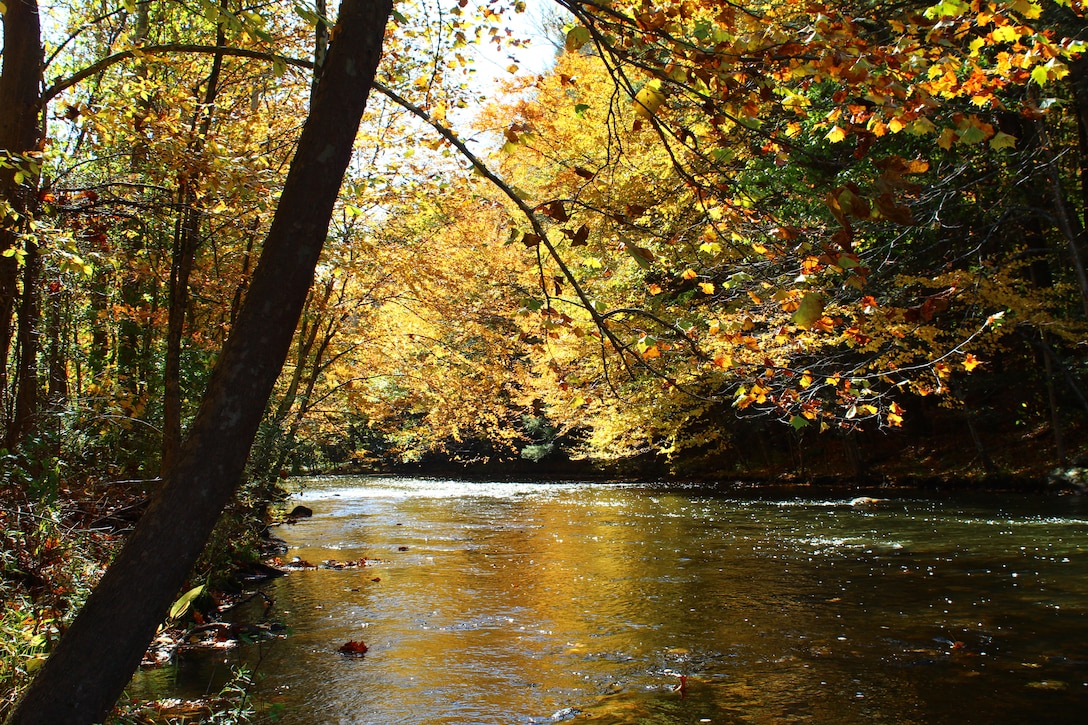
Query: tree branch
[64, 84]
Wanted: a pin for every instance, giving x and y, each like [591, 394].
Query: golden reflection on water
[520, 603]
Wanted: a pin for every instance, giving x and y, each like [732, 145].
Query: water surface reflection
[523, 603]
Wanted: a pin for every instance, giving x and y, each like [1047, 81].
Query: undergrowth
[47, 568]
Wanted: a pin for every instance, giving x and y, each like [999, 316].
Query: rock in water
[864, 502]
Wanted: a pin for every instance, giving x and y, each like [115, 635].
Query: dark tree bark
[97, 655]
[20, 133]
[59, 300]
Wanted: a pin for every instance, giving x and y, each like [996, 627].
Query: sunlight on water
[322, 488]
[515, 602]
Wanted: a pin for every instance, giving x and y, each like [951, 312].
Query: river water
[567, 602]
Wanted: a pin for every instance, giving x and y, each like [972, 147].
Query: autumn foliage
[702, 219]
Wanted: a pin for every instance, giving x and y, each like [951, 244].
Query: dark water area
[534, 602]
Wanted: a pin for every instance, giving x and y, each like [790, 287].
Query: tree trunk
[27, 387]
[186, 242]
[59, 303]
[97, 655]
[20, 134]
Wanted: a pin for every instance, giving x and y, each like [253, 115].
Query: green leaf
[811, 309]
[576, 38]
[1002, 140]
[181, 606]
[797, 422]
[972, 135]
[580, 109]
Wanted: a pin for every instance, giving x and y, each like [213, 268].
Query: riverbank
[994, 458]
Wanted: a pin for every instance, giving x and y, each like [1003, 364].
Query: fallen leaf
[353, 648]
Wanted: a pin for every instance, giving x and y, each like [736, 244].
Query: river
[606, 603]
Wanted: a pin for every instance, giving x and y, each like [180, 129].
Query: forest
[701, 240]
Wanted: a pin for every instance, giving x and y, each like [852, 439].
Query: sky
[536, 58]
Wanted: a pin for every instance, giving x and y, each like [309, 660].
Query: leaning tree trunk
[97, 655]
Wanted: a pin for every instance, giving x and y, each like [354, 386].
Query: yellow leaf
[1029, 10]
[689, 274]
[835, 135]
[1005, 34]
[970, 362]
[707, 288]
[806, 379]
[649, 99]
[1002, 140]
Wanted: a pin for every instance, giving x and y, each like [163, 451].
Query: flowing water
[536, 602]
